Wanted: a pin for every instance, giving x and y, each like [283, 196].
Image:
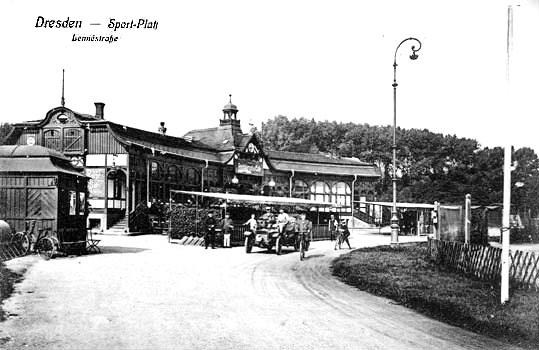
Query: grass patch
[405, 275]
[7, 279]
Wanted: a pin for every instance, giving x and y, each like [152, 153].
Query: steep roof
[221, 138]
[321, 164]
[164, 143]
[313, 158]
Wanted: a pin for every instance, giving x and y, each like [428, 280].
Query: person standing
[304, 228]
[209, 237]
[227, 230]
[252, 224]
[333, 226]
[345, 233]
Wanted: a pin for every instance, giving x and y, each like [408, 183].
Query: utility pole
[504, 295]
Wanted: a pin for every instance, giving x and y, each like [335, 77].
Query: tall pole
[504, 295]
[394, 217]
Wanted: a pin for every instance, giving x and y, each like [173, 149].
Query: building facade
[130, 168]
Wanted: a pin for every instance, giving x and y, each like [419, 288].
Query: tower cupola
[230, 117]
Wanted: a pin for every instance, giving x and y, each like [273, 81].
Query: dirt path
[144, 293]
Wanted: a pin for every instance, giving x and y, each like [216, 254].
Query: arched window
[193, 177]
[320, 191]
[341, 193]
[301, 189]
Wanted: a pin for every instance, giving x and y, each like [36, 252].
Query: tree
[434, 167]
[5, 129]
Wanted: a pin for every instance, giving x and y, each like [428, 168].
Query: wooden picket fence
[9, 251]
[484, 262]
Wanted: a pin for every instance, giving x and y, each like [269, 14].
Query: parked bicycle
[26, 243]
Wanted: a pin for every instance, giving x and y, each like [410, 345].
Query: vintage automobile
[267, 235]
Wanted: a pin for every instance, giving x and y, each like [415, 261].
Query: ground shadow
[265, 251]
[120, 250]
[314, 256]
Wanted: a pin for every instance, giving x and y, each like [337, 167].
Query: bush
[183, 221]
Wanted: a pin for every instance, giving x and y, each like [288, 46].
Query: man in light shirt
[252, 223]
[282, 220]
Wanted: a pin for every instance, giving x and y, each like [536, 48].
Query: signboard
[96, 185]
[249, 166]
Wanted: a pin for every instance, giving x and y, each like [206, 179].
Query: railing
[484, 262]
[358, 214]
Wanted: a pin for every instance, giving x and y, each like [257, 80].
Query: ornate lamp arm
[413, 56]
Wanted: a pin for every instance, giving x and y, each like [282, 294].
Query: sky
[327, 60]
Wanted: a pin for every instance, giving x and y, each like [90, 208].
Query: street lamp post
[394, 217]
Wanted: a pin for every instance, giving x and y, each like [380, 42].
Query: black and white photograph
[269, 174]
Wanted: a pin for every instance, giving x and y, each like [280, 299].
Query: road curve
[144, 293]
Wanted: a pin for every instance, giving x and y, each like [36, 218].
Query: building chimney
[162, 129]
[99, 106]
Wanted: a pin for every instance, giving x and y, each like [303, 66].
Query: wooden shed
[40, 184]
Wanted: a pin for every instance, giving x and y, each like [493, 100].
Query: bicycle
[24, 241]
[303, 245]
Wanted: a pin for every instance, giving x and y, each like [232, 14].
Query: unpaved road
[144, 293]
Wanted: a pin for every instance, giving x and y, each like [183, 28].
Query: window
[172, 173]
[72, 203]
[320, 191]
[192, 177]
[341, 193]
[301, 190]
[82, 203]
[52, 139]
[73, 141]
[154, 170]
[212, 177]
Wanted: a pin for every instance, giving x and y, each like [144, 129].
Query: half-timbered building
[130, 167]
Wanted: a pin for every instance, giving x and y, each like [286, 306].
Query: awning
[401, 205]
[243, 198]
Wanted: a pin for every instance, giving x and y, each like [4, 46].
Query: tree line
[430, 166]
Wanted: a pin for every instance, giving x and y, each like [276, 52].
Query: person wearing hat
[227, 230]
[344, 234]
[282, 220]
[333, 226]
[209, 237]
[304, 227]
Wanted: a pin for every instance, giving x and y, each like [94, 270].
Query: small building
[40, 184]
[130, 168]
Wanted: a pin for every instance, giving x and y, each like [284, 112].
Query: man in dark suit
[209, 237]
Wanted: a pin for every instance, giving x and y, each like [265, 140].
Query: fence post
[467, 217]
[435, 214]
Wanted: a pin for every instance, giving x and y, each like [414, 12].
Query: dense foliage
[432, 166]
[5, 129]
[187, 221]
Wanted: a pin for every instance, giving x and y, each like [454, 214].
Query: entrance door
[116, 189]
